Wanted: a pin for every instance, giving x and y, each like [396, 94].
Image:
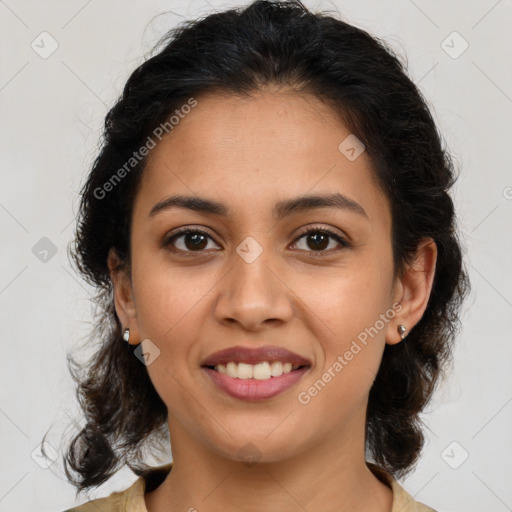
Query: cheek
[347, 300]
[351, 351]
[171, 304]
[170, 311]
[353, 311]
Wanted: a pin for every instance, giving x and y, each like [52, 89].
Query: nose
[253, 294]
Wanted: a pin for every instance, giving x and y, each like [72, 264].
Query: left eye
[318, 240]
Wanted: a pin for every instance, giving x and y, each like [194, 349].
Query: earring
[126, 335]
[401, 330]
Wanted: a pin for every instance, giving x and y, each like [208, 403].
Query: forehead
[251, 152]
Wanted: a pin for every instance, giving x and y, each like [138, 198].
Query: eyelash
[168, 241]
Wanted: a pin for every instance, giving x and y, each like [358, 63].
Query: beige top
[132, 498]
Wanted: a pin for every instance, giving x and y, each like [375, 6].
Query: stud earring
[126, 335]
[401, 330]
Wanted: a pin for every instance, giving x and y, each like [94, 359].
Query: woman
[269, 228]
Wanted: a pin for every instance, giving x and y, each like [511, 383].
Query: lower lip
[253, 389]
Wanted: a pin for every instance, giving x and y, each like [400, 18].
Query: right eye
[188, 240]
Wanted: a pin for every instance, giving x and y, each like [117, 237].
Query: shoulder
[129, 500]
[402, 500]
[122, 501]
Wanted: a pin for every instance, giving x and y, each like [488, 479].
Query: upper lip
[240, 354]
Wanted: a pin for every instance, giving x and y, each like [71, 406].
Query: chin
[253, 448]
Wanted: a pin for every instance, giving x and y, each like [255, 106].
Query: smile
[251, 388]
[260, 371]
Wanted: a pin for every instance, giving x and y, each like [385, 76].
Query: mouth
[255, 374]
[260, 371]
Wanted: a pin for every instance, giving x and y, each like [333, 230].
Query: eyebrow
[280, 211]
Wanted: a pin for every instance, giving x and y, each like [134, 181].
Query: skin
[250, 153]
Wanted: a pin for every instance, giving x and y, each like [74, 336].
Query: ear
[412, 290]
[123, 296]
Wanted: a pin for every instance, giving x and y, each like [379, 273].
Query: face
[315, 279]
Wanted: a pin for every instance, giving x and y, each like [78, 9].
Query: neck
[332, 476]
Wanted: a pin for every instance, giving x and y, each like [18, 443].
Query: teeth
[276, 368]
[260, 371]
[244, 371]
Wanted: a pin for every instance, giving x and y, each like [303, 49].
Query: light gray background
[52, 111]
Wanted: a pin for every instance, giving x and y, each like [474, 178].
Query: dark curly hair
[240, 51]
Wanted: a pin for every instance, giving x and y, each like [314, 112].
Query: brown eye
[189, 240]
[318, 240]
